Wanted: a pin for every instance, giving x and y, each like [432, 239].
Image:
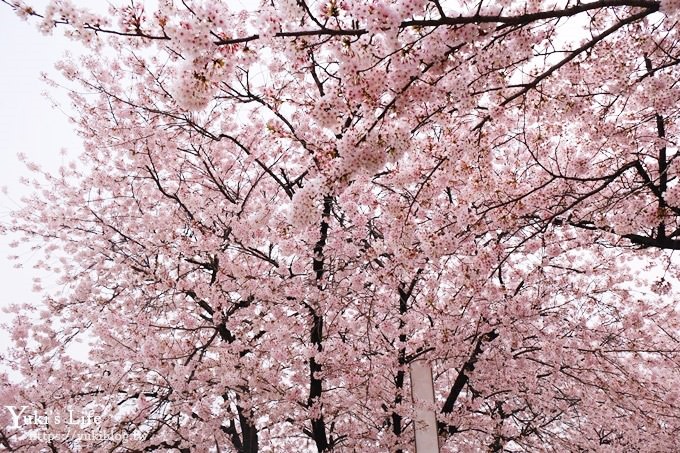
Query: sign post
[422, 392]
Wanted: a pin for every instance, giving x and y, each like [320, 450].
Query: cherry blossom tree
[279, 209]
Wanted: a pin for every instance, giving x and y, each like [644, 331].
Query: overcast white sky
[28, 124]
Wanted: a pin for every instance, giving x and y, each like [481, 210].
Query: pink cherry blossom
[280, 208]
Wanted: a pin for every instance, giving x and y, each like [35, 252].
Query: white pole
[422, 392]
